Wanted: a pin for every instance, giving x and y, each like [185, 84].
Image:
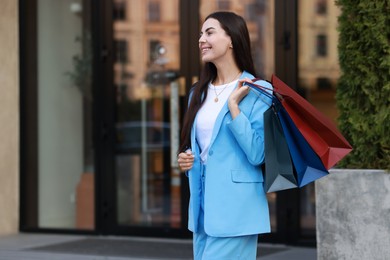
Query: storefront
[103, 91]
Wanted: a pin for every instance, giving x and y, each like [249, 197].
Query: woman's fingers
[239, 93]
[185, 160]
[241, 81]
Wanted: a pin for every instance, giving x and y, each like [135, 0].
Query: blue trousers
[221, 248]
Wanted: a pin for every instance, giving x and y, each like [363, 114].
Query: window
[322, 47]
[256, 11]
[321, 7]
[224, 5]
[153, 50]
[154, 11]
[251, 12]
[121, 51]
[323, 83]
[119, 11]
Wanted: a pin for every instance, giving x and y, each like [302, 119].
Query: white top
[208, 114]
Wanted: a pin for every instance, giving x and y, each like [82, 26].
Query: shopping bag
[279, 173]
[307, 164]
[320, 132]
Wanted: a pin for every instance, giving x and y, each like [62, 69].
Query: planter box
[353, 215]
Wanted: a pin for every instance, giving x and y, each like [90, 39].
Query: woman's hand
[237, 95]
[185, 160]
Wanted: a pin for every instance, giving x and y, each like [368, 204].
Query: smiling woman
[259, 16]
[222, 149]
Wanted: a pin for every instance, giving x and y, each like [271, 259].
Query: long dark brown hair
[235, 26]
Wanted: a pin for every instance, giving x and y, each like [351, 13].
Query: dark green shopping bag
[279, 170]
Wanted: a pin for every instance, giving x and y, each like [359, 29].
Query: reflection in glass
[65, 147]
[308, 210]
[145, 69]
[318, 72]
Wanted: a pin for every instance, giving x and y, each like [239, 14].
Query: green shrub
[363, 93]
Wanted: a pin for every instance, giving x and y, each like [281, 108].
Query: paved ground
[75, 247]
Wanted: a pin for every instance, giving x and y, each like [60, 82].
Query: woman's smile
[204, 50]
[214, 42]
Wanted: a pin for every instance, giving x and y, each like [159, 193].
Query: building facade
[94, 93]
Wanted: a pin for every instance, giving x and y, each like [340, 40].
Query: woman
[222, 145]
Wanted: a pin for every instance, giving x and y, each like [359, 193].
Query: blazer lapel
[218, 122]
[193, 133]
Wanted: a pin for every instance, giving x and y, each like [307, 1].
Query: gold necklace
[217, 94]
[227, 84]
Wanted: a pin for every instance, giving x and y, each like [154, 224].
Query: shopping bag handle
[268, 92]
[273, 90]
[264, 90]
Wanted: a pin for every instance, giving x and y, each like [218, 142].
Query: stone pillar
[9, 117]
[353, 209]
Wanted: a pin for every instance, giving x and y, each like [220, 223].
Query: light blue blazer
[235, 203]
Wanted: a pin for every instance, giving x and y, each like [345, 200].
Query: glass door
[146, 58]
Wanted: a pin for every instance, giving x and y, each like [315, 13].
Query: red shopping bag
[320, 132]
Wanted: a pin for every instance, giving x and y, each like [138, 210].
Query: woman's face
[214, 43]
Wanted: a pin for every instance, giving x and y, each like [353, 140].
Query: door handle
[286, 40]
[104, 132]
[174, 124]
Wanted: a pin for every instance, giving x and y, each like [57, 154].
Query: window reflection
[145, 65]
[322, 47]
[154, 11]
[318, 67]
[65, 146]
[119, 12]
[121, 51]
[321, 7]
[223, 5]
[318, 72]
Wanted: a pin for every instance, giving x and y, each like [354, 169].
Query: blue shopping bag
[307, 163]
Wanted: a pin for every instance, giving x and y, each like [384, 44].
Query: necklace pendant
[216, 99]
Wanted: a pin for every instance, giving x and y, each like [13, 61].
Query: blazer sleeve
[248, 127]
